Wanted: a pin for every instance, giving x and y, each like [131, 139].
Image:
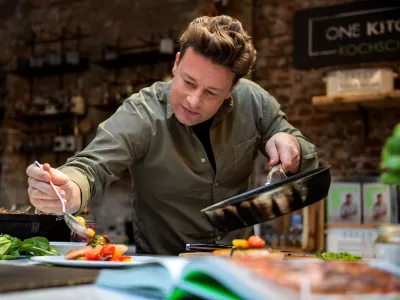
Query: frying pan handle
[276, 168]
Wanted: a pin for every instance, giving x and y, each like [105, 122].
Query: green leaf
[337, 256]
[5, 245]
[37, 246]
[8, 257]
[393, 144]
[392, 163]
[38, 241]
[396, 130]
[390, 178]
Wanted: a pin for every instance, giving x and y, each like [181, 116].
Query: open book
[254, 278]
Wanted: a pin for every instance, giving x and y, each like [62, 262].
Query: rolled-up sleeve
[120, 142]
[273, 120]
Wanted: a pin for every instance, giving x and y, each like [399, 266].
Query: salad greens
[12, 247]
[337, 256]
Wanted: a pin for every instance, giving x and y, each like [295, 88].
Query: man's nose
[194, 98]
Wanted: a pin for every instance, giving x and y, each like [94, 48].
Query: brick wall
[339, 137]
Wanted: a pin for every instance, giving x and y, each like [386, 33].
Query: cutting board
[288, 255]
[17, 278]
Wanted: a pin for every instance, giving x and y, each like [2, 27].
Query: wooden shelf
[135, 59]
[355, 101]
[105, 107]
[49, 70]
[352, 226]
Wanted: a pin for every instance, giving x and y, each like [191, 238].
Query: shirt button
[203, 159]
[218, 238]
[216, 184]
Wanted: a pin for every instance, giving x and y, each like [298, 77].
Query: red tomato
[121, 258]
[107, 250]
[256, 242]
[92, 255]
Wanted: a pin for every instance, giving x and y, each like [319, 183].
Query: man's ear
[176, 63]
[232, 88]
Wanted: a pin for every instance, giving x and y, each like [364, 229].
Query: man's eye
[211, 93]
[189, 83]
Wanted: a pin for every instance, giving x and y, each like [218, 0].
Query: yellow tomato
[117, 253]
[91, 232]
[101, 240]
[81, 220]
[237, 243]
[128, 259]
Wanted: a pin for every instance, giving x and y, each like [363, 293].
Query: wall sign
[364, 31]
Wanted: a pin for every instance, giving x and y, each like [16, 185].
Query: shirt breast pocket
[244, 154]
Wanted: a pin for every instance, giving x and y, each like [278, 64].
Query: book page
[154, 278]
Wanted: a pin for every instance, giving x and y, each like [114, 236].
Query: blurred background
[66, 65]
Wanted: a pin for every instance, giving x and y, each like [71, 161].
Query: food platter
[61, 261]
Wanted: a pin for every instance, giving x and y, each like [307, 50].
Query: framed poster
[344, 203]
[376, 203]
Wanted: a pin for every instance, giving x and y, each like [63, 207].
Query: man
[348, 211]
[379, 211]
[188, 143]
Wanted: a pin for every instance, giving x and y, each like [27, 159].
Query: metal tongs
[274, 169]
[69, 219]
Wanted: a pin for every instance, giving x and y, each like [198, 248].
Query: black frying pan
[270, 201]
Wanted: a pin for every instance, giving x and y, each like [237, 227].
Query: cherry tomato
[91, 232]
[107, 250]
[238, 243]
[101, 240]
[117, 253]
[256, 242]
[81, 220]
[121, 258]
[92, 255]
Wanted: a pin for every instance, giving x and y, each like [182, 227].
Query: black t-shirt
[202, 132]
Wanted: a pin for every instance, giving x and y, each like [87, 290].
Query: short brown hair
[223, 40]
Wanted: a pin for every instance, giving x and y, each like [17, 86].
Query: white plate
[61, 261]
[64, 247]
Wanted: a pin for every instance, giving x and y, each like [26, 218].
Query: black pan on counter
[270, 201]
[25, 226]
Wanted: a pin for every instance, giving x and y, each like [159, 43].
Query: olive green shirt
[172, 177]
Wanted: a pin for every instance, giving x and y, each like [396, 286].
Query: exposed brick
[374, 142]
[277, 62]
[305, 110]
[321, 117]
[374, 152]
[356, 129]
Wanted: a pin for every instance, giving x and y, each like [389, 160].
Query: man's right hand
[44, 198]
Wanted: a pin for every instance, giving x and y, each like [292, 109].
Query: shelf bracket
[365, 118]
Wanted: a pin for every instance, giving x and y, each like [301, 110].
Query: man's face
[349, 200]
[199, 87]
[379, 201]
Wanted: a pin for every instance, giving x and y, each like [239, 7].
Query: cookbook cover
[344, 203]
[376, 203]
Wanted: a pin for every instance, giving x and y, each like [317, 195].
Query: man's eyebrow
[192, 79]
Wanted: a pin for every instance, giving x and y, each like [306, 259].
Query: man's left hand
[284, 148]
